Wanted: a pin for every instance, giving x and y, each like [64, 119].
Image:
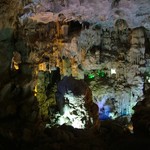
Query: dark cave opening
[75, 27]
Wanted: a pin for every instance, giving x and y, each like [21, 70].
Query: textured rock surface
[43, 41]
[54, 34]
[74, 102]
[135, 12]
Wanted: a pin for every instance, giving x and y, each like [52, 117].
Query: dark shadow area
[75, 27]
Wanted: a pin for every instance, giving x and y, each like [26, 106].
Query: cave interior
[75, 74]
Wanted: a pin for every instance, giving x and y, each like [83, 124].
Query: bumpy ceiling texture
[135, 12]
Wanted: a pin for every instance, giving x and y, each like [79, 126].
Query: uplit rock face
[75, 105]
[75, 114]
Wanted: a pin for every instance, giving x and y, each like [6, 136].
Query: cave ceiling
[136, 12]
[105, 11]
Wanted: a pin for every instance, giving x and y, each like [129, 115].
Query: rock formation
[70, 63]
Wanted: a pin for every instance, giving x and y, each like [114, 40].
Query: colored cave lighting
[113, 71]
[91, 76]
[148, 79]
[15, 65]
[73, 119]
[35, 90]
[101, 73]
[130, 127]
